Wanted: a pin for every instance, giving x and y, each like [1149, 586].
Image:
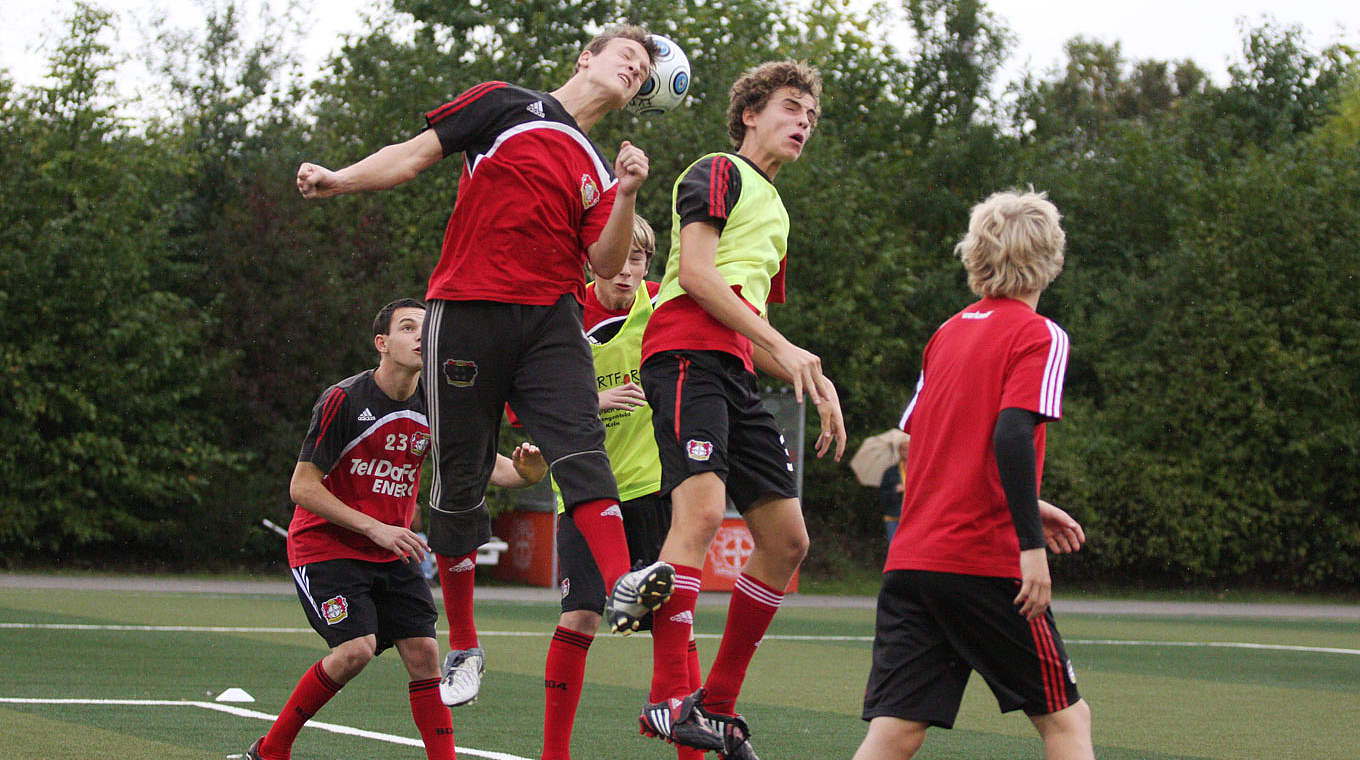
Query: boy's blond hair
[1014, 244]
[643, 237]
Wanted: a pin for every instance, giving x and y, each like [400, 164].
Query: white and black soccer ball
[668, 83]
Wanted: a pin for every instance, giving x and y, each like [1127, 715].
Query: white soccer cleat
[462, 679]
[637, 593]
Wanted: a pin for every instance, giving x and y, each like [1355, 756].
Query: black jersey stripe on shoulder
[334, 400]
[461, 101]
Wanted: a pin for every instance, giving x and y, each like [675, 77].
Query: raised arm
[389, 167]
[609, 253]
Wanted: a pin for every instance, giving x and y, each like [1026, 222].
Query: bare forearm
[317, 499]
[389, 167]
[610, 252]
[715, 296]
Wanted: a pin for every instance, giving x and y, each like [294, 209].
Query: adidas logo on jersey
[366, 415]
[685, 618]
[613, 511]
[467, 565]
[536, 108]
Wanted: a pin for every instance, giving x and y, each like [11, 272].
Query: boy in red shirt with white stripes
[966, 585]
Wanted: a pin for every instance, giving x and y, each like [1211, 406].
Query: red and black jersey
[534, 195]
[994, 355]
[370, 448]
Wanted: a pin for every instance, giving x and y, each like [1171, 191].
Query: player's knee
[789, 548]
[421, 656]
[348, 659]
[1070, 724]
[894, 737]
[581, 621]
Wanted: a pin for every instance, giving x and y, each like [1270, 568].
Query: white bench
[489, 553]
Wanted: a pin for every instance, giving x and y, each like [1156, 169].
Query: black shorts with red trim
[346, 599]
[646, 520]
[933, 629]
[479, 355]
[708, 417]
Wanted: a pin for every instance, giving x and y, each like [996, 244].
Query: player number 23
[397, 442]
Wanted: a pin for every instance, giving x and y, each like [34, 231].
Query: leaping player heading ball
[536, 200]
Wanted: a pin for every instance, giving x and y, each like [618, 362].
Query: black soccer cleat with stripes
[735, 735]
[637, 593]
[680, 721]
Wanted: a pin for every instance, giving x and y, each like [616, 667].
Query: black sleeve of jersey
[708, 192]
[326, 436]
[1013, 440]
[459, 122]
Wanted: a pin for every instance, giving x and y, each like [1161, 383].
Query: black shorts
[347, 599]
[933, 629]
[480, 355]
[646, 520]
[708, 417]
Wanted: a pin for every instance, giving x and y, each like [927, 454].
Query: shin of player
[708, 336]
[966, 585]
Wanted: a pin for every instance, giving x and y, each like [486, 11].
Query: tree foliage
[176, 306]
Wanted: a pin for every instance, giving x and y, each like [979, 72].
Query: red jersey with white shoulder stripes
[369, 447]
[993, 355]
[534, 195]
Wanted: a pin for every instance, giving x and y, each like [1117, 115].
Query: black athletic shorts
[708, 417]
[933, 629]
[646, 520]
[349, 598]
[481, 354]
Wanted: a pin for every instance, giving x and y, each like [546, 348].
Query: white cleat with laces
[462, 679]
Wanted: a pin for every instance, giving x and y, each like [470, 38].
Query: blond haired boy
[966, 585]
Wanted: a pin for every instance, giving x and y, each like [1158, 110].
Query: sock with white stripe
[748, 618]
[672, 628]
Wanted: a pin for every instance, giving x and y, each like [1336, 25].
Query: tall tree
[108, 445]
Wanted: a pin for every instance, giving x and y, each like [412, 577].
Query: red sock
[313, 691]
[695, 681]
[696, 677]
[433, 720]
[563, 677]
[748, 617]
[672, 629]
[456, 577]
[601, 522]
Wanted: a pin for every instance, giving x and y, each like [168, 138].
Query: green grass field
[1159, 687]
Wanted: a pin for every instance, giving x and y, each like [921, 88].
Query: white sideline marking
[1216, 644]
[770, 637]
[241, 712]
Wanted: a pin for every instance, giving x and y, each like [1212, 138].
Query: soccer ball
[668, 83]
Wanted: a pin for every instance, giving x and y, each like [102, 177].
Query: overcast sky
[1204, 30]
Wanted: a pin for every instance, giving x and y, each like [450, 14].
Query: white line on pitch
[768, 637]
[334, 728]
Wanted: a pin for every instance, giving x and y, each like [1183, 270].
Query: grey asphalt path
[176, 584]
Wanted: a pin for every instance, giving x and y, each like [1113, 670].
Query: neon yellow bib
[628, 436]
[753, 242]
